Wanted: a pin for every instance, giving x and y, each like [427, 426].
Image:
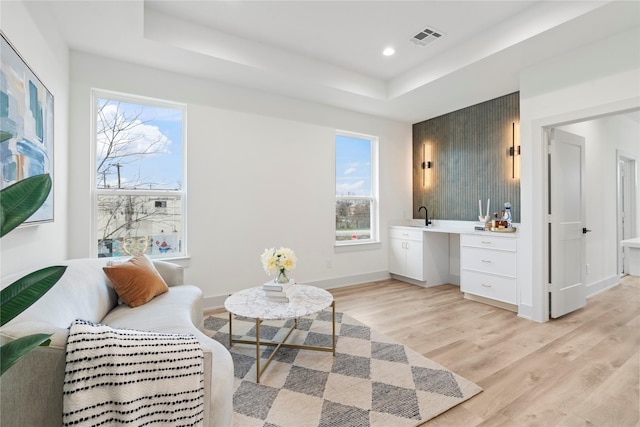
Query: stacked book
[280, 292]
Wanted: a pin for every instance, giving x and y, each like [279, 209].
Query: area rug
[372, 380]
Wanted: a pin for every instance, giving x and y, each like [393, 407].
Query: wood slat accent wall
[469, 152]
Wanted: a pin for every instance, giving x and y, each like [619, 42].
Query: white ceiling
[331, 51]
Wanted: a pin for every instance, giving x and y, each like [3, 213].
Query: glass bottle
[507, 215]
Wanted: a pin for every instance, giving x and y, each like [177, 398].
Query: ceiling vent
[426, 36]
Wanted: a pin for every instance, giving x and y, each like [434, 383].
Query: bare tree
[122, 139]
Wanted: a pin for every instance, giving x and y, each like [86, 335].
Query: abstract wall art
[26, 126]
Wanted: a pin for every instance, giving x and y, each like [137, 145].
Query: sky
[164, 166]
[353, 166]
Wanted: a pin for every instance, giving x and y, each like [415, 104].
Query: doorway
[626, 194]
[603, 262]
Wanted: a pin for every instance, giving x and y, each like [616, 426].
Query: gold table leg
[257, 342]
[230, 329]
[333, 329]
[258, 372]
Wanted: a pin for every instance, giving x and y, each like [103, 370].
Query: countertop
[448, 226]
[631, 243]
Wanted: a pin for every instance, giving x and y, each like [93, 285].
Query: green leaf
[21, 200]
[12, 352]
[5, 136]
[19, 295]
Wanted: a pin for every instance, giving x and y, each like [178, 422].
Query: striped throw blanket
[127, 377]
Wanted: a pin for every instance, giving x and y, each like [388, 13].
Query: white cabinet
[488, 266]
[406, 253]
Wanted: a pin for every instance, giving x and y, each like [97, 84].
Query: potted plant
[17, 203]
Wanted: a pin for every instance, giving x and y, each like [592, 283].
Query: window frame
[96, 192]
[373, 197]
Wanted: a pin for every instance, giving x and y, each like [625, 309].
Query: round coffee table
[254, 304]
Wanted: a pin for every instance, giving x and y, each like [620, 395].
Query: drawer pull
[486, 286]
[405, 234]
[486, 242]
[486, 261]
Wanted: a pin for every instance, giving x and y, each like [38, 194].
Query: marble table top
[253, 303]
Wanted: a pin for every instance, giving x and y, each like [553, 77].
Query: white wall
[260, 174]
[603, 137]
[596, 80]
[41, 47]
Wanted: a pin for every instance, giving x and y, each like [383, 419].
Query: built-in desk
[633, 252]
[483, 263]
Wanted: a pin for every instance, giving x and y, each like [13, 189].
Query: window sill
[183, 260]
[353, 247]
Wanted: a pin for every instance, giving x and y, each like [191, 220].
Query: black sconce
[513, 150]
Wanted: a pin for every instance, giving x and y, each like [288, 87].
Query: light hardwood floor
[580, 370]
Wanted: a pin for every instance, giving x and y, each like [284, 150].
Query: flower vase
[282, 277]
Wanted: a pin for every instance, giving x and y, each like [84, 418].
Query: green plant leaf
[5, 136]
[15, 350]
[20, 200]
[19, 295]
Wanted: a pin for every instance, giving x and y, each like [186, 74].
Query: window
[139, 197]
[356, 188]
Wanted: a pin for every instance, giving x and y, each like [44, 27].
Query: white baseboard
[602, 285]
[452, 280]
[217, 301]
[525, 311]
[340, 282]
[492, 302]
[214, 302]
[408, 280]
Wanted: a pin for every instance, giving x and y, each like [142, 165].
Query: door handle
[585, 230]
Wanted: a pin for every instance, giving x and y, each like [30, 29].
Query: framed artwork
[26, 126]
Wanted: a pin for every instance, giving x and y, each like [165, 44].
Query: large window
[139, 197]
[356, 188]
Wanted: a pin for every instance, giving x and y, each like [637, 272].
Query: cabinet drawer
[488, 261]
[491, 242]
[405, 234]
[489, 286]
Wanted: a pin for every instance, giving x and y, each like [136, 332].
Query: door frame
[622, 155]
[540, 256]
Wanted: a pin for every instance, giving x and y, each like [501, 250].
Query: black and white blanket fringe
[128, 377]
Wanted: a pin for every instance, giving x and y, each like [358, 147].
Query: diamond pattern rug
[372, 381]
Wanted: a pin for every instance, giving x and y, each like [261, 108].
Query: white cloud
[351, 187]
[349, 171]
[140, 137]
[351, 168]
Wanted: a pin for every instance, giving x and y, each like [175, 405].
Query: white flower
[274, 261]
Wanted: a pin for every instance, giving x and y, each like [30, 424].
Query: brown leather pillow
[136, 281]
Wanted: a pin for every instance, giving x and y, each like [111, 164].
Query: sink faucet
[426, 215]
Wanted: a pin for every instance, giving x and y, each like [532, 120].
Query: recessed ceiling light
[388, 51]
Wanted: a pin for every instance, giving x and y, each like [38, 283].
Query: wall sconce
[514, 151]
[426, 164]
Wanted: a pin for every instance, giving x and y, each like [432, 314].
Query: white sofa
[31, 390]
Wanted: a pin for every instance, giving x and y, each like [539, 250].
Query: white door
[567, 227]
[626, 213]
